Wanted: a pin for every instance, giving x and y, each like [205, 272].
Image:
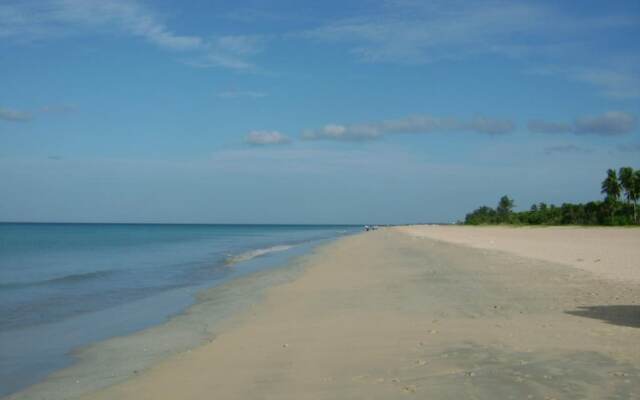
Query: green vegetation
[611, 211]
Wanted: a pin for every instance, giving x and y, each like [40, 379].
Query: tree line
[621, 190]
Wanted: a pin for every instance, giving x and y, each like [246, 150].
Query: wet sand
[386, 314]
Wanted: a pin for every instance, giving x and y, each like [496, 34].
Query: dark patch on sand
[624, 315]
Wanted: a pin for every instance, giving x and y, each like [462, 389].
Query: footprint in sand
[409, 389]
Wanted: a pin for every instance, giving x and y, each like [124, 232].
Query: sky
[398, 111]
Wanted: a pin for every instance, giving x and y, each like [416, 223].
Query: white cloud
[210, 60]
[489, 126]
[540, 126]
[14, 116]
[28, 21]
[39, 20]
[261, 138]
[233, 52]
[343, 132]
[412, 124]
[612, 123]
[127, 16]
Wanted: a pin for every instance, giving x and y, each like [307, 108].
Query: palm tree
[504, 208]
[628, 185]
[636, 192]
[626, 182]
[611, 188]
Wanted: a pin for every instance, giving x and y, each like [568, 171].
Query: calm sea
[68, 285]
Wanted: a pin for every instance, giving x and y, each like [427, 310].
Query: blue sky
[310, 112]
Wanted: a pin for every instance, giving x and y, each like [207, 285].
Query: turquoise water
[67, 285]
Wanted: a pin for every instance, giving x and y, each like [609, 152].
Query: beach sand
[393, 313]
[607, 251]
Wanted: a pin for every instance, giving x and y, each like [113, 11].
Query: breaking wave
[249, 255]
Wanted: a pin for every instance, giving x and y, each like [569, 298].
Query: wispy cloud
[26, 21]
[412, 124]
[125, 16]
[14, 115]
[29, 21]
[540, 126]
[613, 83]
[566, 148]
[236, 94]
[417, 32]
[263, 138]
[621, 80]
[541, 35]
[612, 123]
[24, 116]
[629, 148]
[250, 15]
[233, 52]
[57, 109]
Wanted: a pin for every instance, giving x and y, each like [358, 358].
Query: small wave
[249, 255]
[79, 277]
[72, 278]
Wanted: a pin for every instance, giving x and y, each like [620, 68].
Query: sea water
[63, 286]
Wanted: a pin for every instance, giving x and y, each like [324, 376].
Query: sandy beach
[606, 251]
[401, 312]
[394, 312]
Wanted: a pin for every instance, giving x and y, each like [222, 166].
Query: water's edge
[117, 359]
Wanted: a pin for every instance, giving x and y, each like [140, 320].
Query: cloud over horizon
[14, 116]
[417, 124]
[611, 123]
[265, 138]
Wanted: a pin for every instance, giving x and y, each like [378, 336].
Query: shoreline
[383, 314]
[115, 359]
[389, 313]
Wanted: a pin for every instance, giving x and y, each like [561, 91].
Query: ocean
[66, 286]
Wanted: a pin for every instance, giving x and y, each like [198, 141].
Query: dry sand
[609, 252]
[386, 314]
